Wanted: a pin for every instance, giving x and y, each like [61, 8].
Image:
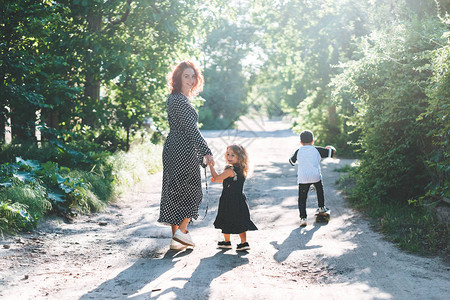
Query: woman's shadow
[143, 272]
[136, 281]
[296, 240]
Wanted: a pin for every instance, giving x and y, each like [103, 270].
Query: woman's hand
[209, 160]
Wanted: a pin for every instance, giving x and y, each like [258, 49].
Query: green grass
[22, 206]
[413, 228]
[31, 196]
[345, 169]
[129, 168]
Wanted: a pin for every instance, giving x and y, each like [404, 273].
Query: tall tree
[225, 49]
[28, 63]
[95, 63]
[127, 48]
[303, 41]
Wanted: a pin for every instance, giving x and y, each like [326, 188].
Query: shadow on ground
[147, 277]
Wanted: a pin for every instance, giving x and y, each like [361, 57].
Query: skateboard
[323, 217]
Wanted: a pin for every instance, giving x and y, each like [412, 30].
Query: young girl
[233, 216]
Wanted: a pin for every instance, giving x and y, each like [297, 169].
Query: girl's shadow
[208, 269]
[297, 240]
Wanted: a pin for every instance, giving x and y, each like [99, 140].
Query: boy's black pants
[303, 189]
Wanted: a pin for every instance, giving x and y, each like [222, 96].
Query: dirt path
[123, 253]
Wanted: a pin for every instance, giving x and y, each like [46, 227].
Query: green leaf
[56, 197]
[60, 179]
[67, 189]
[24, 176]
[6, 184]
[31, 164]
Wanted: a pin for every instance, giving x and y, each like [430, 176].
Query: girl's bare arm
[228, 172]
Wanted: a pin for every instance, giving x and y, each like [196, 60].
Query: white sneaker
[174, 245]
[183, 238]
[303, 222]
[322, 210]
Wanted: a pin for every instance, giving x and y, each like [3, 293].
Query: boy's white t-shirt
[308, 169]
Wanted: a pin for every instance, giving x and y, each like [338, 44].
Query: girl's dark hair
[174, 78]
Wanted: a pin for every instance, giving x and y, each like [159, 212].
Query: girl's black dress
[233, 215]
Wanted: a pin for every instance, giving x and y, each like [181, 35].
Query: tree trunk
[128, 138]
[92, 83]
[23, 122]
[51, 118]
[332, 115]
[3, 119]
[333, 130]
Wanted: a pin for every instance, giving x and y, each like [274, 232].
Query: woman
[184, 150]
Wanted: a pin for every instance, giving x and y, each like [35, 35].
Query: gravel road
[122, 253]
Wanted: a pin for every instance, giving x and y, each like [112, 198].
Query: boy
[308, 158]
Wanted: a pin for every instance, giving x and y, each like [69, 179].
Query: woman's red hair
[174, 78]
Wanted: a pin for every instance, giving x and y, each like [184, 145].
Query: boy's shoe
[322, 210]
[243, 247]
[174, 245]
[303, 222]
[224, 245]
[183, 238]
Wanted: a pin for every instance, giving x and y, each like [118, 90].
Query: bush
[399, 90]
[29, 189]
[14, 216]
[9, 152]
[437, 116]
[386, 89]
[22, 205]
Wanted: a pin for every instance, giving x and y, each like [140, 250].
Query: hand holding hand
[209, 159]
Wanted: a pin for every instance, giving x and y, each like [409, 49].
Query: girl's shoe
[183, 238]
[243, 247]
[174, 245]
[224, 245]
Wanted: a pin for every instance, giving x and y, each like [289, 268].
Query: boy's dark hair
[306, 136]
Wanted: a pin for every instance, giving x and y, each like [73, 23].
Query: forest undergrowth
[66, 180]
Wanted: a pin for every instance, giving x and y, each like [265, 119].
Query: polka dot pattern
[183, 152]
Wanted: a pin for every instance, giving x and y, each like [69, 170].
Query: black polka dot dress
[183, 153]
